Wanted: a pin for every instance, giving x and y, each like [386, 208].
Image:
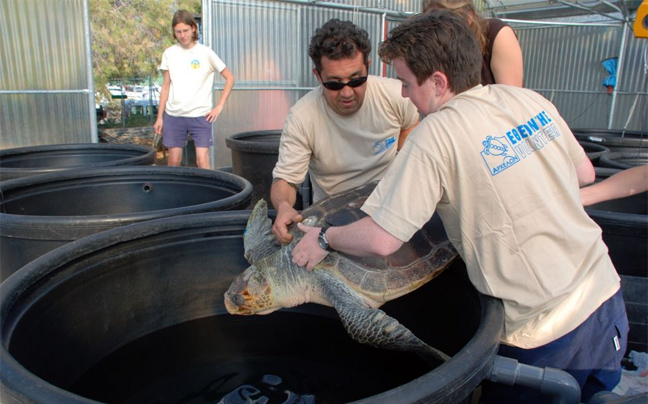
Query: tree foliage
[129, 36]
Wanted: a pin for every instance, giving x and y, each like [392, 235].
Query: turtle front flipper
[258, 240]
[373, 326]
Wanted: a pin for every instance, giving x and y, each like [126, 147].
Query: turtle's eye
[256, 282]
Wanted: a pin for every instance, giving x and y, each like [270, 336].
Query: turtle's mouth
[242, 304]
[235, 304]
[248, 296]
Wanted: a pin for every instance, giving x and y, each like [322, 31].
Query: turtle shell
[419, 260]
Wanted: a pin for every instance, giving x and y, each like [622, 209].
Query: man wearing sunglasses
[345, 132]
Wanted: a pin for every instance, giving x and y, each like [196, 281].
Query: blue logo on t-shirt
[502, 152]
[380, 146]
[195, 64]
[498, 154]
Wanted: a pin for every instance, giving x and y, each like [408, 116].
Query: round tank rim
[613, 137]
[604, 173]
[7, 154]
[461, 363]
[616, 159]
[610, 132]
[9, 219]
[15, 378]
[235, 142]
[617, 217]
[599, 148]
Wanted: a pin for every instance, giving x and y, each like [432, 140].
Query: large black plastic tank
[625, 159]
[39, 213]
[624, 223]
[136, 315]
[24, 161]
[254, 156]
[613, 139]
[594, 151]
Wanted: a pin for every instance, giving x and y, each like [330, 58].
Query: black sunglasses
[337, 86]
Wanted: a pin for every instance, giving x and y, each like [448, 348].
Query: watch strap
[322, 240]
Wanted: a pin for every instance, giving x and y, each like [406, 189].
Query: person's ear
[317, 76]
[441, 83]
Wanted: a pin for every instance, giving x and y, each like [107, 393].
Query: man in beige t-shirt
[503, 170]
[345, 132]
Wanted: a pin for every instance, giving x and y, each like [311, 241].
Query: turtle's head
[250, 293]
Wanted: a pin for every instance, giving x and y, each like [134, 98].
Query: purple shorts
[176, 128]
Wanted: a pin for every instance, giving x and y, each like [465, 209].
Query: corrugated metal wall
[563, 62]
[265, 45]
[46, 90]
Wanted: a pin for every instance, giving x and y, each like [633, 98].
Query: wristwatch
[321, 239]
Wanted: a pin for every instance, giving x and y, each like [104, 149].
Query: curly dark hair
[338, 40]
[439, 40]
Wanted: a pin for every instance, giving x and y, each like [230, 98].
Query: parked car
[116, 91]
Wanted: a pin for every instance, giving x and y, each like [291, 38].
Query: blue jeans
[591, 353]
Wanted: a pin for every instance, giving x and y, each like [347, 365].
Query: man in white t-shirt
[345, 132]
[502, 169]
[186, 96]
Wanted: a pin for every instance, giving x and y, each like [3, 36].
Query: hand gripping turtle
[354, 286]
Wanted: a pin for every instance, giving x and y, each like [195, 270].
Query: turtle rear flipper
[374, 327]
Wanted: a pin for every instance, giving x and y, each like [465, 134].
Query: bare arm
[404, 134]
[283, 197]
[586, 173]
[227, 90]
[164, 97]
[622, 184]
[506, 60]
[364, 238]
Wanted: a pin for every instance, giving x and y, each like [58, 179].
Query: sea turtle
[354, 286]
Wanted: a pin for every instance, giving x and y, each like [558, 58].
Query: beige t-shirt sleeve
[413, 185]
[294, 151]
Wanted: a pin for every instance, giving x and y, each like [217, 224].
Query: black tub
[136, 313]
[25, 161]
[625, 228]
[625, 159]
[613, 139]
[40, 213]
[624, 223]
[594, 151]
[254, 155]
